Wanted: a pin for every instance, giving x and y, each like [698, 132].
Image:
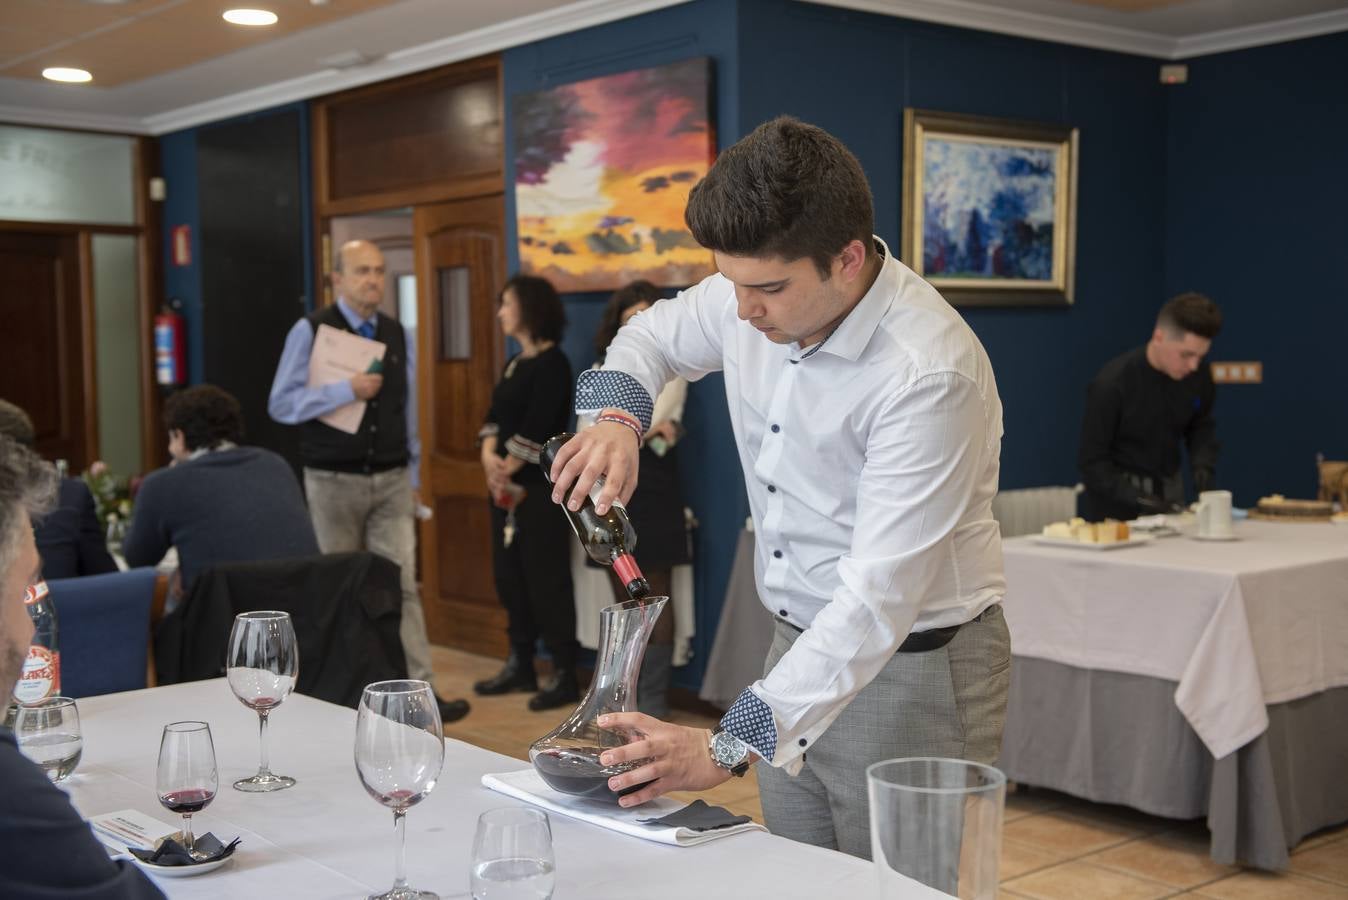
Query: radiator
[1028, 510]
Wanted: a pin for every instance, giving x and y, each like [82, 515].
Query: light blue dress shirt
[292, 401]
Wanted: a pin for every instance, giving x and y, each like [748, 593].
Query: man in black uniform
[1138, 409]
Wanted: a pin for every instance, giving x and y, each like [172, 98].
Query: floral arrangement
[114, 496]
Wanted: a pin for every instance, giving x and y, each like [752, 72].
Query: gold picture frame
[989, 208]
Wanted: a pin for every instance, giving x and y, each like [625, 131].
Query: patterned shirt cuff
[599, 389]
[491, 429]
[523, 448]
[750, 720]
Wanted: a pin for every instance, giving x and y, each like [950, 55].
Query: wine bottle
[608, 539]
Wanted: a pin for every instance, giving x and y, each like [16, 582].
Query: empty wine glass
[400, 748]
[262, 665]
[512, 855]
[48, 733]
[187, 777]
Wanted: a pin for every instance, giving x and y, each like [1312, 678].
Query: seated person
[49, 850]
[69, 538]
[217, 502]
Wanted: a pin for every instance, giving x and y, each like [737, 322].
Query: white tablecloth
[327, 838]
[1238, 625]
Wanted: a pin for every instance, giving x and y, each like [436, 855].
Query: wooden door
[460, 264]
[45, 345]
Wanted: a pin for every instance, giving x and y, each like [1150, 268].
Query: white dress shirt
[871, 462]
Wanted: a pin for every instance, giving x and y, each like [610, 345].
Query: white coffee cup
[1214, 514]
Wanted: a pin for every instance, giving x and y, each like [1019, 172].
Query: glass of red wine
[187, 778]
[400, 747]
[262, 665]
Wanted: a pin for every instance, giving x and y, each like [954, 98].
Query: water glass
[48, 733]
[512, 855]
[187, 778]
[939, 822]
[400, 748]
[262, 664]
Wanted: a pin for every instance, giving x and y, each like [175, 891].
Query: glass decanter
[567, 758]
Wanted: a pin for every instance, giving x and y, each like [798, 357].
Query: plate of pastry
[1078, 534]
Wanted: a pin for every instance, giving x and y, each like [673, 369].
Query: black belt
[917, 641]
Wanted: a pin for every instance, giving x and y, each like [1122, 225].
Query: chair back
[103, 631]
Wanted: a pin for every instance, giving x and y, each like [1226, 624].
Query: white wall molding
[1259, 35]
[59, 118]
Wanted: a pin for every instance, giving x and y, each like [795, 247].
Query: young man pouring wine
[868, 425]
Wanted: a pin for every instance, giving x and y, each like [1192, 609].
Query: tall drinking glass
[512, 855]
[48, 733]
[262, 664]
[187, 779]
[400, 748]
[937, 821]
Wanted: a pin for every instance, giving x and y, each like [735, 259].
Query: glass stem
[263, 767]
[400, 859]
[188, 841]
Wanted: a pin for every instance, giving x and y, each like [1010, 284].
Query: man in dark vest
[361, 486]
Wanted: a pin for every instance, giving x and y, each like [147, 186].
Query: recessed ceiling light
[71, 76]
[250, 17]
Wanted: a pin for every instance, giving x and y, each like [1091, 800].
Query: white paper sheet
[336, 356]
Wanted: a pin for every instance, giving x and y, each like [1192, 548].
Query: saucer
[181, 871]
[1215, 537]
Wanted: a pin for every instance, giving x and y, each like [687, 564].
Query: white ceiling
[413, 35]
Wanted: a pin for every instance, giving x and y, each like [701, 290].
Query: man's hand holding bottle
[607, 449]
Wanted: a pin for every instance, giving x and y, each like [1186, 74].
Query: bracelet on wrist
[622, 419]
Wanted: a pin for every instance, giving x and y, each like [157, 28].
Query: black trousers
[533, 576]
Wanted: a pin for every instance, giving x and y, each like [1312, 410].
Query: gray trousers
[354, 512]
[949, 702]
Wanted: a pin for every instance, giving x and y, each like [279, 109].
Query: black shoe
[452, 710]
[561, 691]
[516, 675]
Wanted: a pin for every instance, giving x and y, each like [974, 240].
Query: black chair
[103, 630]
[346, 608]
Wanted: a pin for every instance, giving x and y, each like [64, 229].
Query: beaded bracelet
[622, 419]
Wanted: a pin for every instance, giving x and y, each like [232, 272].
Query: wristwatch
[729, 752]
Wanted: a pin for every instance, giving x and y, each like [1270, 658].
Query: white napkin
[526, 785]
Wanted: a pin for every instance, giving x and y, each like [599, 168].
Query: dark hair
[541, 312]
[623, 299]
[15, 423]
[26, 483]
[206, 415]
[1191, 312]
[789, 190]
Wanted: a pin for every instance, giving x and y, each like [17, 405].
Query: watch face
[730, 750]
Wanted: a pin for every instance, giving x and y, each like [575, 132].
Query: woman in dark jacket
[531, 539]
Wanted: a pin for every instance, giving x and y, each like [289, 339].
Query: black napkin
[172, 853]
[698, 816]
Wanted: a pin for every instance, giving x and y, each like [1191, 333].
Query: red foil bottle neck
[626, 567]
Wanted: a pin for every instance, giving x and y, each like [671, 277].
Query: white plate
[182, 871]
[1134, 541]
[1214, 537]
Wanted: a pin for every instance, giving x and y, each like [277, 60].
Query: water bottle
[41, 676]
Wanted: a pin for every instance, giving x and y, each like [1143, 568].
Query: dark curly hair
[541, 312]
[206, 415]
[623, 299]
[788, 190]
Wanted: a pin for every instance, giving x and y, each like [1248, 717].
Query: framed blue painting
[989, 208]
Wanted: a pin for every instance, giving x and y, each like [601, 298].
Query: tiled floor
[1054, 847]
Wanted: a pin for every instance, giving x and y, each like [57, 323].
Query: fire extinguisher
[170, 363]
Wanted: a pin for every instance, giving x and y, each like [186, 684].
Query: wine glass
[48, 733]
[400, 748]
[512, 855]
[187, 777]
[262, 665]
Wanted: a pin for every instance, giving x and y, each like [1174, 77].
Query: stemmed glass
[400, 748]
[187, 778]
[48, 733]
[262, 665]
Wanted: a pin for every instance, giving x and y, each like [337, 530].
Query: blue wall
[853, 73]
[1258, 191]
[712, 480]
[178, 165]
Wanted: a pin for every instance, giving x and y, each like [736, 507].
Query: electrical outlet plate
[1238, 372]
